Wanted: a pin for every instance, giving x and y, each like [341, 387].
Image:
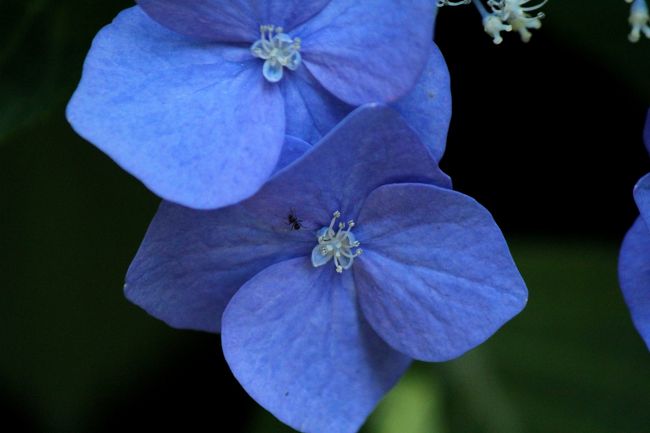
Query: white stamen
[639, 20]
[515, 14]
[336, 245]
[278, 50]
[442, 3]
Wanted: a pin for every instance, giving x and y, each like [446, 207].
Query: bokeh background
[547, 135]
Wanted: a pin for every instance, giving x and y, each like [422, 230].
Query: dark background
[547, 135]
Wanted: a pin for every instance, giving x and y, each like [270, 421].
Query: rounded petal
[634, 276]
[312, 111]
[191, 262]
[231, 20]
[436, 278]
[642, 197]
[371, 147]
[368, 51]
[296, 341]
[195, 127]
[427, 108]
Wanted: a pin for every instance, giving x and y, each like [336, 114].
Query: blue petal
[642, 197]
[296, 341]
[368, 51]
[436, 278]
[191, 262]
[634, 276]
[427, 108]
[311, 110]
[231, 20]
[371, 147]
[293, 149]
[195, 127]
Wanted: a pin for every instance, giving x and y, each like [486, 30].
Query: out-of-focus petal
[191, 121]
[230, 20]
[297, 342]
[642, 197]
[436, 277]
[634, 276]
[427, 108]
[368, 51]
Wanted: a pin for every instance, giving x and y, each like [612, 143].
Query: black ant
[294, 221]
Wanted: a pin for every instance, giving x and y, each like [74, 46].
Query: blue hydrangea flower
[634, 260]
[315, 330]
[195, 97]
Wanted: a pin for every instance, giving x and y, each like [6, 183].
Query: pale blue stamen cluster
[505, 16]
[639, 20]
[278, 50]
[336, 245]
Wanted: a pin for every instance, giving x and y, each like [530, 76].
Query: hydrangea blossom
[634, 260]
[195, 97]
[315, 330]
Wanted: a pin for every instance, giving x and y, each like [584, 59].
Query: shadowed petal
[634, 275]
[427, 108]
[191, 262]
[311, 110]
[368, 51]
[296, 341]
[293, 149]
[195, 127]
[373, 146]
[436, 277]
[231, 20]
[642, 197]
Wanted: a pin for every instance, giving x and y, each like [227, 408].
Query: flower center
[278, 50]
[337, 245]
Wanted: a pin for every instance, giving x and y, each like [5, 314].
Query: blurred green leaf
[42, 54]
[600, 28]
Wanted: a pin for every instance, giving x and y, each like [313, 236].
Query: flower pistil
[278, 50]
[337, 245]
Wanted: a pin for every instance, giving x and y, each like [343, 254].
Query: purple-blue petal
[642, 197]
[295, 339]
[311, 110]
[427, 108]
[231, 20]
[634, 276]
[436, 277]
[292, 149]
[190, 120]
[191, 262]
[368, 51]
[371, 147]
